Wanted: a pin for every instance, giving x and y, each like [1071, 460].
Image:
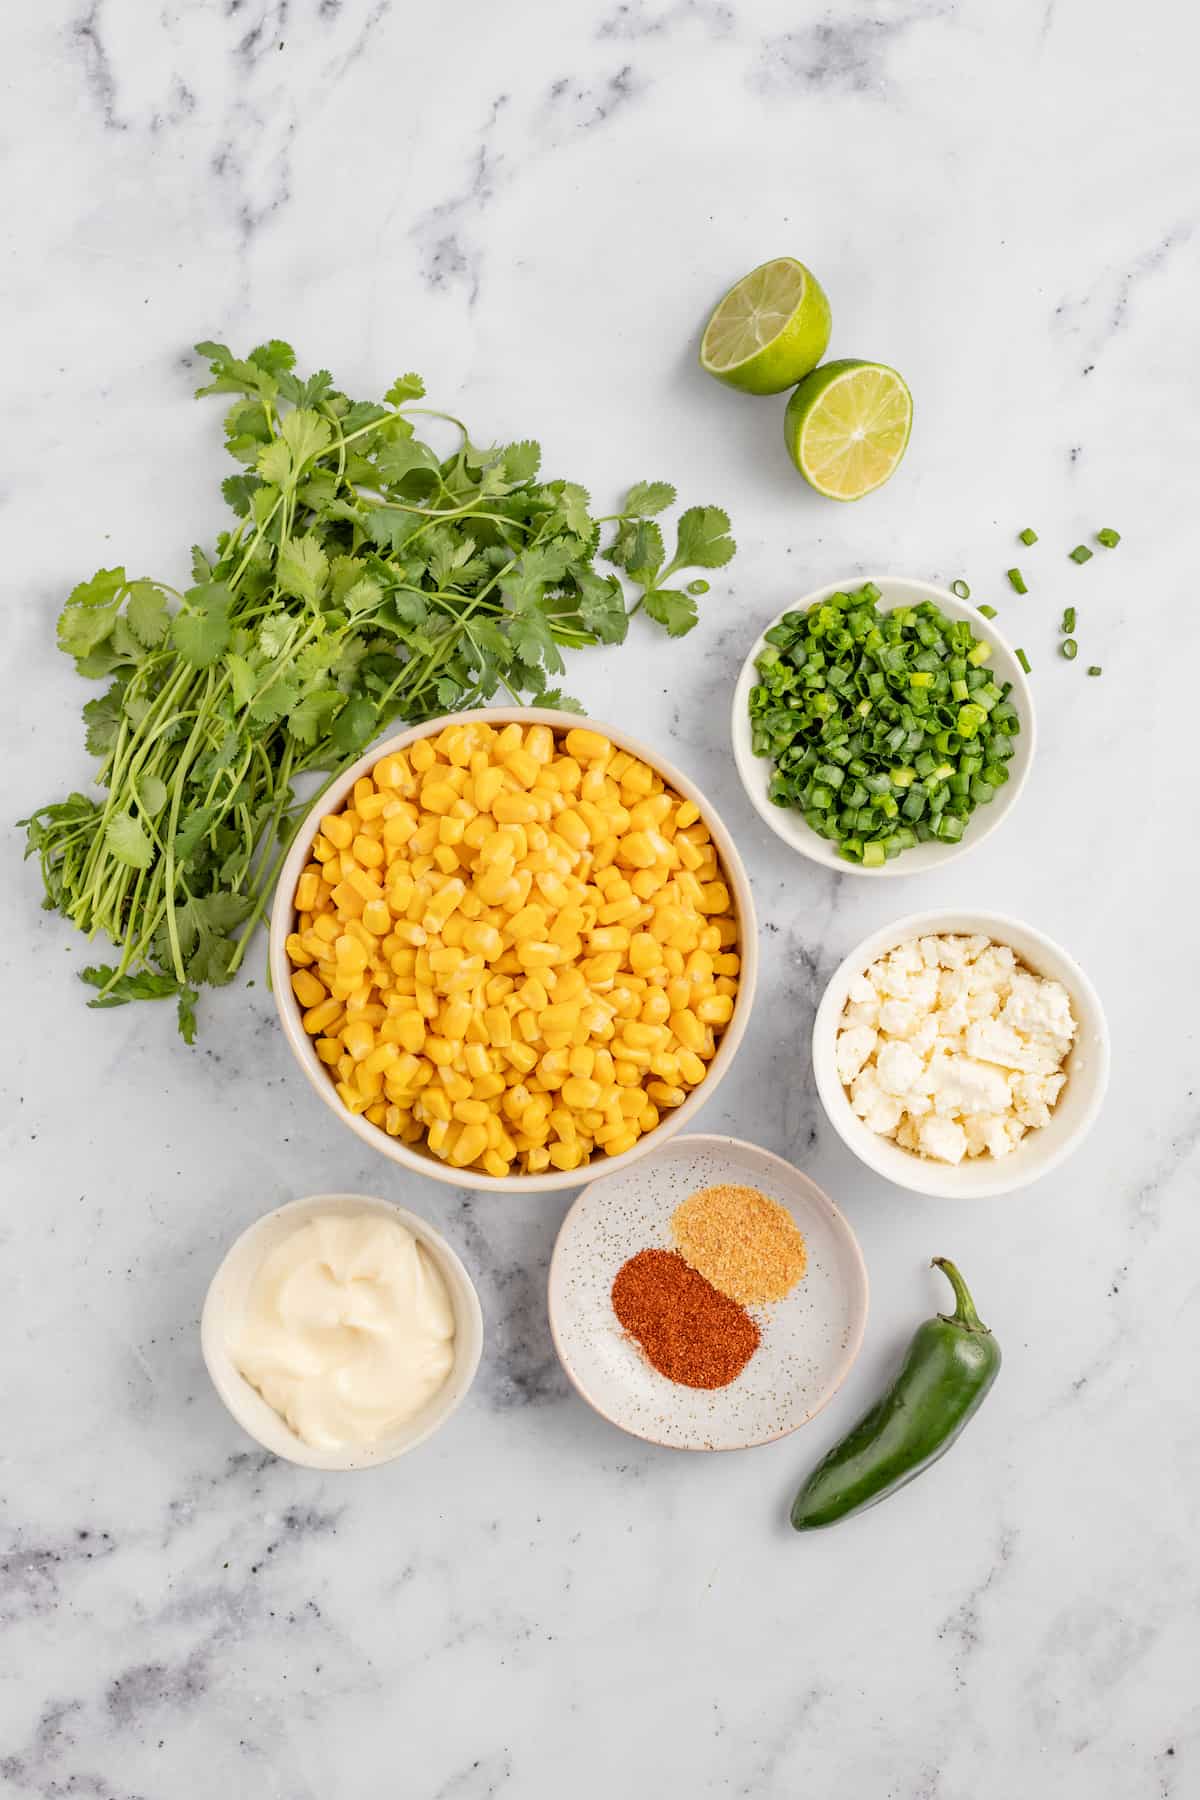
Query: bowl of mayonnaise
[341, 1331]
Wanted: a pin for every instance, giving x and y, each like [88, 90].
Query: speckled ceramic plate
[809, 1340]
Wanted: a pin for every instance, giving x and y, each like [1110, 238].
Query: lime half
[847, 427]
[769, 330]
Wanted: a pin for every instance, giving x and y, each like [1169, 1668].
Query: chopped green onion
[1095, 669]
[1069, 648]
[1023, 660]
[1081, 554]
[1018, 581]
[961, 589]
[1108, 537]
[882, 728]
[989, 612]
[1028, 536]
[1068, 620]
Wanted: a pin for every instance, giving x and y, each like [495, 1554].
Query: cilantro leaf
[405, 387]
[103, 719]
[192, 832]
[128, 842]
[672, 609]
[103, 587]
[556, 701]
[200, 631]
[152, 793]
[522, 461]
[573, 503]
[303, 567]
[274, 635]
[648, 497]
[238, 489]
[273, 356]
[146, 613]
[274, 464]
[145, 984]
[306, 434]
[531, 638]
[186, 1014]
[242, 679]
[399, 458]
[703, 539]
[354, 726]
[644, 557]
[310, 717]
[602, 606]
[276, 701]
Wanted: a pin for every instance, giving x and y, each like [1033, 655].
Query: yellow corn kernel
[454, 1018]
[688, 1029]
[483, 940]
[727, 964]
[664, 1094]
[359, 1039]
[328, 1049]
[349, 903]
[514, 809]
[580, 1093]
[587, 746]
[472, 1112]
[717, 1009]
[381, 1059]
[317, 1018]
[563, 1156]
[494, 1164]
[442, 1051]
[528, 1027]
[521, 1056]
[665, 1064]
[486, 1087]
[338, 829]
[617, 1144]
[499, 1027]
[691, 1069]
[351, 1099]
[307, 889]
[307, 989]
[686, 813]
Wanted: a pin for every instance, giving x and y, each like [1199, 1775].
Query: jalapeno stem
[964, 1313]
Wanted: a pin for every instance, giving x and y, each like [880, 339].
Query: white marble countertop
[535, 206]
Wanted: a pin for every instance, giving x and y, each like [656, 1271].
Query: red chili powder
[686, 1329]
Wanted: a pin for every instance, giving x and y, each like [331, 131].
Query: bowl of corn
[512, 944]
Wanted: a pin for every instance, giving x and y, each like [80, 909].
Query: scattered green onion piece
[961, 589]
[1081, 554]
[1069, 648]
[1028, 536]
[1068, 620]
[989, 612]
[981, 653]
[1108, 537]
[1023, 660]
[1095, 669]
[1018, 581]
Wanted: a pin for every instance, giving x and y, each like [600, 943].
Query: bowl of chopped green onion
[881, 727]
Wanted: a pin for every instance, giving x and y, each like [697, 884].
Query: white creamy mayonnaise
[348, 1329]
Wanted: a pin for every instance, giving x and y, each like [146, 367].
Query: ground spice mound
[687, 1330]
[747, 1245]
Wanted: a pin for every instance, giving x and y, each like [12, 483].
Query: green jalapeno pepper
[950, 1364]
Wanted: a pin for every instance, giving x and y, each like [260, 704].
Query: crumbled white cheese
[948, 1045]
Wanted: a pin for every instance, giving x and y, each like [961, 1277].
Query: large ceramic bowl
[787, 823]
[1039, 1151]
[421, 1162]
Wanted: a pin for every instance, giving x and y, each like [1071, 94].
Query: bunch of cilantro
[366, 580]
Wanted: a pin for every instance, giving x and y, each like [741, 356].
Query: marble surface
[535, 206]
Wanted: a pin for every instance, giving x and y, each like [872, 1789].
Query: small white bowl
[788, 824]
[226, 1301]
[421, 1162]
[1039, 1151]
[809, 1340]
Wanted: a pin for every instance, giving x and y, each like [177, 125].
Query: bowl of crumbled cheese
[960, 1053]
